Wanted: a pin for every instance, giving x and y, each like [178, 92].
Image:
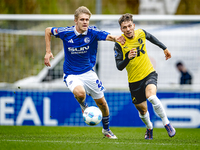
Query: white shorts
[89, 80]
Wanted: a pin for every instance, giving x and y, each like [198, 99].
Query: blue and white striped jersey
[80, 49]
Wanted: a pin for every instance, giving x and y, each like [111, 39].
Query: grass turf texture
[58, 138]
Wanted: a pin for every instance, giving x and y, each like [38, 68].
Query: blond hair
[125, 17]
[81, 10]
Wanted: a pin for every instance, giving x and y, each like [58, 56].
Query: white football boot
[108, 134]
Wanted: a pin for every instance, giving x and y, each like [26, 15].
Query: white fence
[179, 33]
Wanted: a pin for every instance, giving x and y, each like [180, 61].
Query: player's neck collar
[77, 33]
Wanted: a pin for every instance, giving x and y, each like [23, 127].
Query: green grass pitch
[89, 138]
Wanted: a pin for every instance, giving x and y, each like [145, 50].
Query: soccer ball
[92, 115]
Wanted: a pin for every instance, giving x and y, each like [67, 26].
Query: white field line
[85, 142]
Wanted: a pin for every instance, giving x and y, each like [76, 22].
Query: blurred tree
[120, 6]
[66, 6]
[43, 6]
[189, 7]
[69, 6]
[18, 7]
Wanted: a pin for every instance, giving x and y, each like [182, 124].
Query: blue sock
[105, 122]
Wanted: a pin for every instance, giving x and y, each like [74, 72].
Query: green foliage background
[20, 57]
[69, 6]
[65, 6]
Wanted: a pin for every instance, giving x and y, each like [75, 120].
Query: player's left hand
[120, 39]
[167, 54]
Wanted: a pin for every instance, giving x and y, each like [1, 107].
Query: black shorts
[137, 89]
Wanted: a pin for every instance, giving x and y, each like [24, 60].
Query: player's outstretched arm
[167, 54]
[48, 54]
[114, 38]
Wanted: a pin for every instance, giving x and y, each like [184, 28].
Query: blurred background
[32, 94]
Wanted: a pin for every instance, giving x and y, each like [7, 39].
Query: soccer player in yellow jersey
[142, 77]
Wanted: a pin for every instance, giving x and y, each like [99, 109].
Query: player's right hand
[47, 59]
[132, 54]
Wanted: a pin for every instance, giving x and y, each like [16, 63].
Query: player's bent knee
[143, 112]
[79, 93]
[150, 90]
[80, 96]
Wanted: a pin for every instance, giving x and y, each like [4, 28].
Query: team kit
[80, 44]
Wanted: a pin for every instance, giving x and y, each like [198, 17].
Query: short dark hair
[125, 17]
[179, 64]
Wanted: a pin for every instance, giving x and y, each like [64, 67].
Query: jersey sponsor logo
[125, 46]
[79, 50]
[86, 39]
[70, 41]
[140, 49]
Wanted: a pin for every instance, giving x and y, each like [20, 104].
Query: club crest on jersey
[86, 39]
[140, 41]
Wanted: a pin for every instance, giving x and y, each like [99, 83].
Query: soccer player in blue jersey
[80, 47]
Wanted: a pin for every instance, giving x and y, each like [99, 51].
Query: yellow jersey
[141, 66]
